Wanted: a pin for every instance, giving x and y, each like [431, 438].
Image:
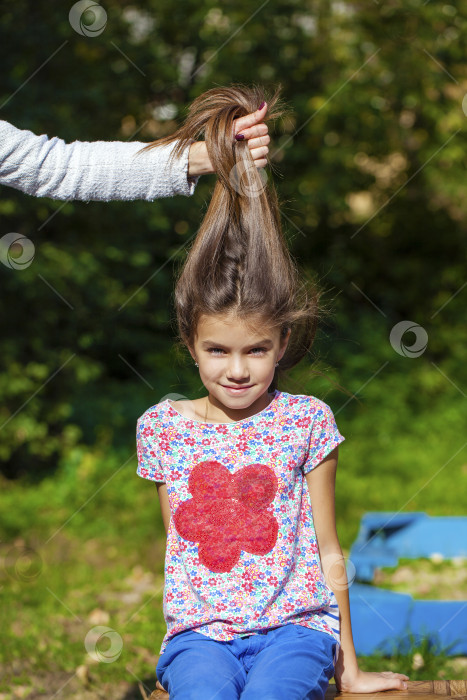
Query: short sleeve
[324, 437]
[149, 466]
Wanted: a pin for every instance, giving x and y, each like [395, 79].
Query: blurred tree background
[369, 166]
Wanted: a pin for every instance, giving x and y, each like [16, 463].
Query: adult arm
[349, 678]
[112, 170]
[88, 171]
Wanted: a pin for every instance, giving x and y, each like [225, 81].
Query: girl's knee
[204, 689]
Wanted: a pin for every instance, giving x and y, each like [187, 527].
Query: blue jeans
[291, 662]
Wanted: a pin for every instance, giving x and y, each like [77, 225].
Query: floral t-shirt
[241, 553]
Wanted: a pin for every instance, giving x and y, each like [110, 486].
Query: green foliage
[433, 656]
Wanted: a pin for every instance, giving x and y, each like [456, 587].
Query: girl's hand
[369, 682]
[253, 131]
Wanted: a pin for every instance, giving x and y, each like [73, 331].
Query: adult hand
[253, 130]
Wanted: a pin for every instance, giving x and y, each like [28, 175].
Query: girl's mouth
[236, 390]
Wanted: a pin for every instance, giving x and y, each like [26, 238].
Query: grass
[426, 579]
[78, 586]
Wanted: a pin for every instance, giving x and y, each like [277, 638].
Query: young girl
[255, 599]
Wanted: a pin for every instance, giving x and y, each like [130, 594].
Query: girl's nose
[237, 369]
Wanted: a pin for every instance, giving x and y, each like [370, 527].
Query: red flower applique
[227, 513]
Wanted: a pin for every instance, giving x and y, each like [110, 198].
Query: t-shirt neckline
[271, 405]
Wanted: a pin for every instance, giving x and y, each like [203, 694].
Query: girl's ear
[192, 353]
[283, 343]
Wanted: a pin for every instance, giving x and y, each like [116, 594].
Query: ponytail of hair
[239, 263]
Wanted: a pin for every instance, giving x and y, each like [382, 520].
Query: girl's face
[237, 365]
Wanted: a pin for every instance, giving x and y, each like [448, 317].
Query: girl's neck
[215, 412]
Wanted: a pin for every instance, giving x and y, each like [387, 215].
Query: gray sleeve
[99, 170]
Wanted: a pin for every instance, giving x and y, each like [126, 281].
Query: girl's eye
[216, 350]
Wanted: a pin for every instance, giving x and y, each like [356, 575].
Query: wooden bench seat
[424, 690]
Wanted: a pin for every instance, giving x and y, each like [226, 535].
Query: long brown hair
[239, 262]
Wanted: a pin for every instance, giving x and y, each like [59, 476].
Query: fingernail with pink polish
[261, 105]
[239, 137]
